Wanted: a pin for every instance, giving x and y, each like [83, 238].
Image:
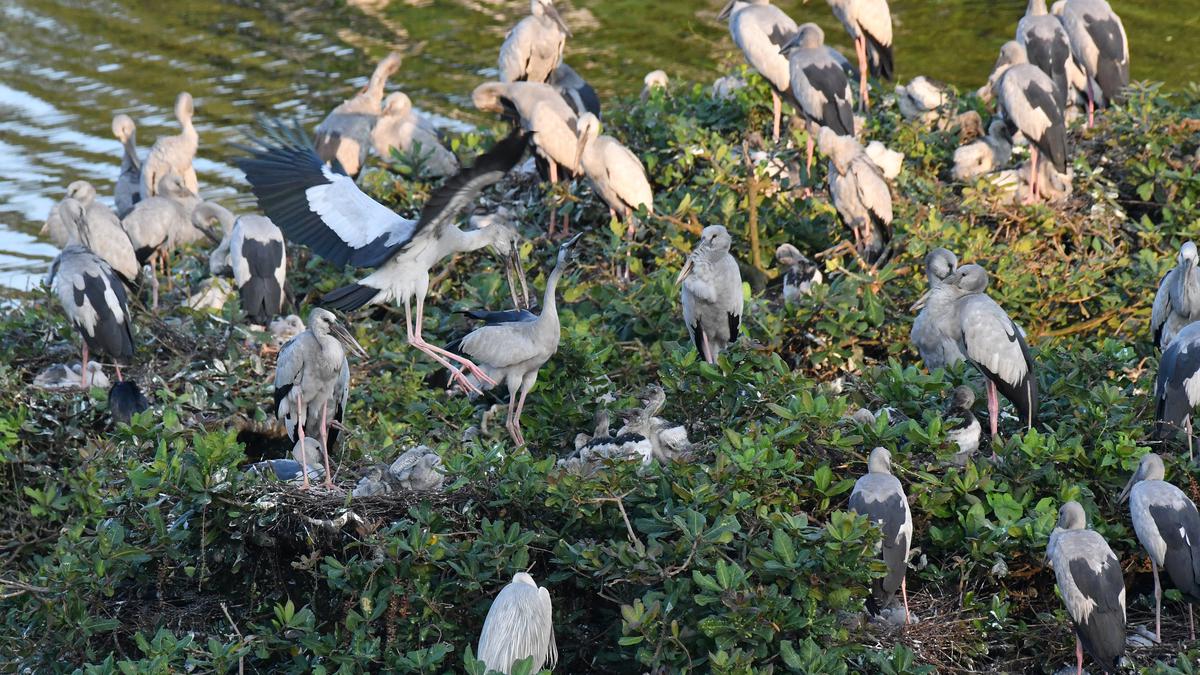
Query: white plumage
[711, 293]
[519, 625]
[534, 47]
[173, 154]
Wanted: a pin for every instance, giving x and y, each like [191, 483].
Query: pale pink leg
[119, 377]
[1091, 105]
[517, 417]
[301, 418]
[708, 355]
[860, 46]
[325, 445]
[904, 594]
[1033, 173]
[433, 349]
[1191, 623]
[777, 110]
[993, 413]
[1157, 602]
[1078, 656]
[416, 341]
[83, 369]
[808, 154]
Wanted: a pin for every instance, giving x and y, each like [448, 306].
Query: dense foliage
[147, 548]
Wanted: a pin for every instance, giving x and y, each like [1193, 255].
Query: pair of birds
[140, 178]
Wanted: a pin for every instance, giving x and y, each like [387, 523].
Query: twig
[633, 539]
[241, 659]
[20, 588]
[751, 207]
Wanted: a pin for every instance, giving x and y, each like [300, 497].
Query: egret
[711, 293]
[1090, 583]
[1168, 527]
[312, 376]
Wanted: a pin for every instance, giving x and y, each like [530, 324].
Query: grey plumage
[988, 154]
[161, 223]
[534, 47]
[1168, 527]
[512, 353]
[1028, 101]
[259, 261]
[1090, 583]
[312, 381]
[1100, 47]
[800, 274]
[880, 497]
[203, 217]
[711, 293]
[761, 30]
[869, 23]
[345, 133]
[575, 90]
[965, 432]
[128, 190]
[1177, 386]
[859, 193]
[1046, 46]
[107, 239]
[519, 625]
[936, 349]
[173, 154]
[615, 173]
[817, 82]
[1177, 301]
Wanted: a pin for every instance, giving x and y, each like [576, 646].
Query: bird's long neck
[375, 85]
[131, 160]
[459, 241]
[1187, 291]
[549, 305]
[1036, 8]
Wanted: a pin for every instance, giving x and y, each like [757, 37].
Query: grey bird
[1177, 387]
[819, 87]
[761, 30]
[1100, 47]
[575, 90]
[108, 239]
[203, 217]
[960, 309]
[512, 353]
[312, 382]
[1177, 301]
[1168, 527]
[869, 22]
[519, 625]
[936, 350]
[327, 212]
[128, 190]
[615, 173]
[880, 497]
[860, 194]
[711, 293]
[966, 431]
[345, 133]
[800, 274]
[922, 99]
[93, 297]
[988, 154]
[418, 468]
[545, 116]
[534, 47]
[402, 129]
[1046, 46]
[1029, 103]
[173, 154]
[1090, 583]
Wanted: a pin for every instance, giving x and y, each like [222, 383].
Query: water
[66, 66]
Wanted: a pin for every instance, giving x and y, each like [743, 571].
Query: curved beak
[517, 269]
[687, 269]
[1133, 480]
[727, 11]
[920, 303]
[343, 335]
[557, 18]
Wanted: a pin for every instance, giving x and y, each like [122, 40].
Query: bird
[519, 625]
[402, 129]
[84, 193]
[1175, 393]
[512, 353]
[326, 211]
[345, 133]
[799, 275]
[655, 79]
[966, 431]
[418, 468]
[1177, 301]
[615, 173]
[936, 350]
[711, 293]
[312, 382]
[158, 225]
[960, 309]
[203, 217]
[1090, 583]
[173, 154]
[1046, 46]
[128, 190]
[1028, 101]
[818, 85]
[534, 47]
[93, 297]
[259, 260]
[880, 497]
[1168, 527]
[859, 192]
[889, 161]
[869, 23]
[575, 90]
[985, 155]
[922, 99]
[668, 441]
[1100, 47]
[125, 399]
[761, 30]
[106, 238]
[545, 115]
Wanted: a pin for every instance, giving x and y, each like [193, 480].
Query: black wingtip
[349, 298]
[881, 64]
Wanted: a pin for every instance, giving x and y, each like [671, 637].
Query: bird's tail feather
[351, 297]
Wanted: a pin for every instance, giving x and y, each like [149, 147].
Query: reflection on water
[66, 66]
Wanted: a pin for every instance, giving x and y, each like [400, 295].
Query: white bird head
[397, 104]
[487, 96]
[83, 192]
[1187, 252]
[546, 8]
[387, 67]
[939, 264]
[184, 108]
[1071, 517]
[123, 127]
[587, 127]
[656, 78]
[1150, 468]
[172, 185]
[880, 461]
[322, 322]
[788, 255]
